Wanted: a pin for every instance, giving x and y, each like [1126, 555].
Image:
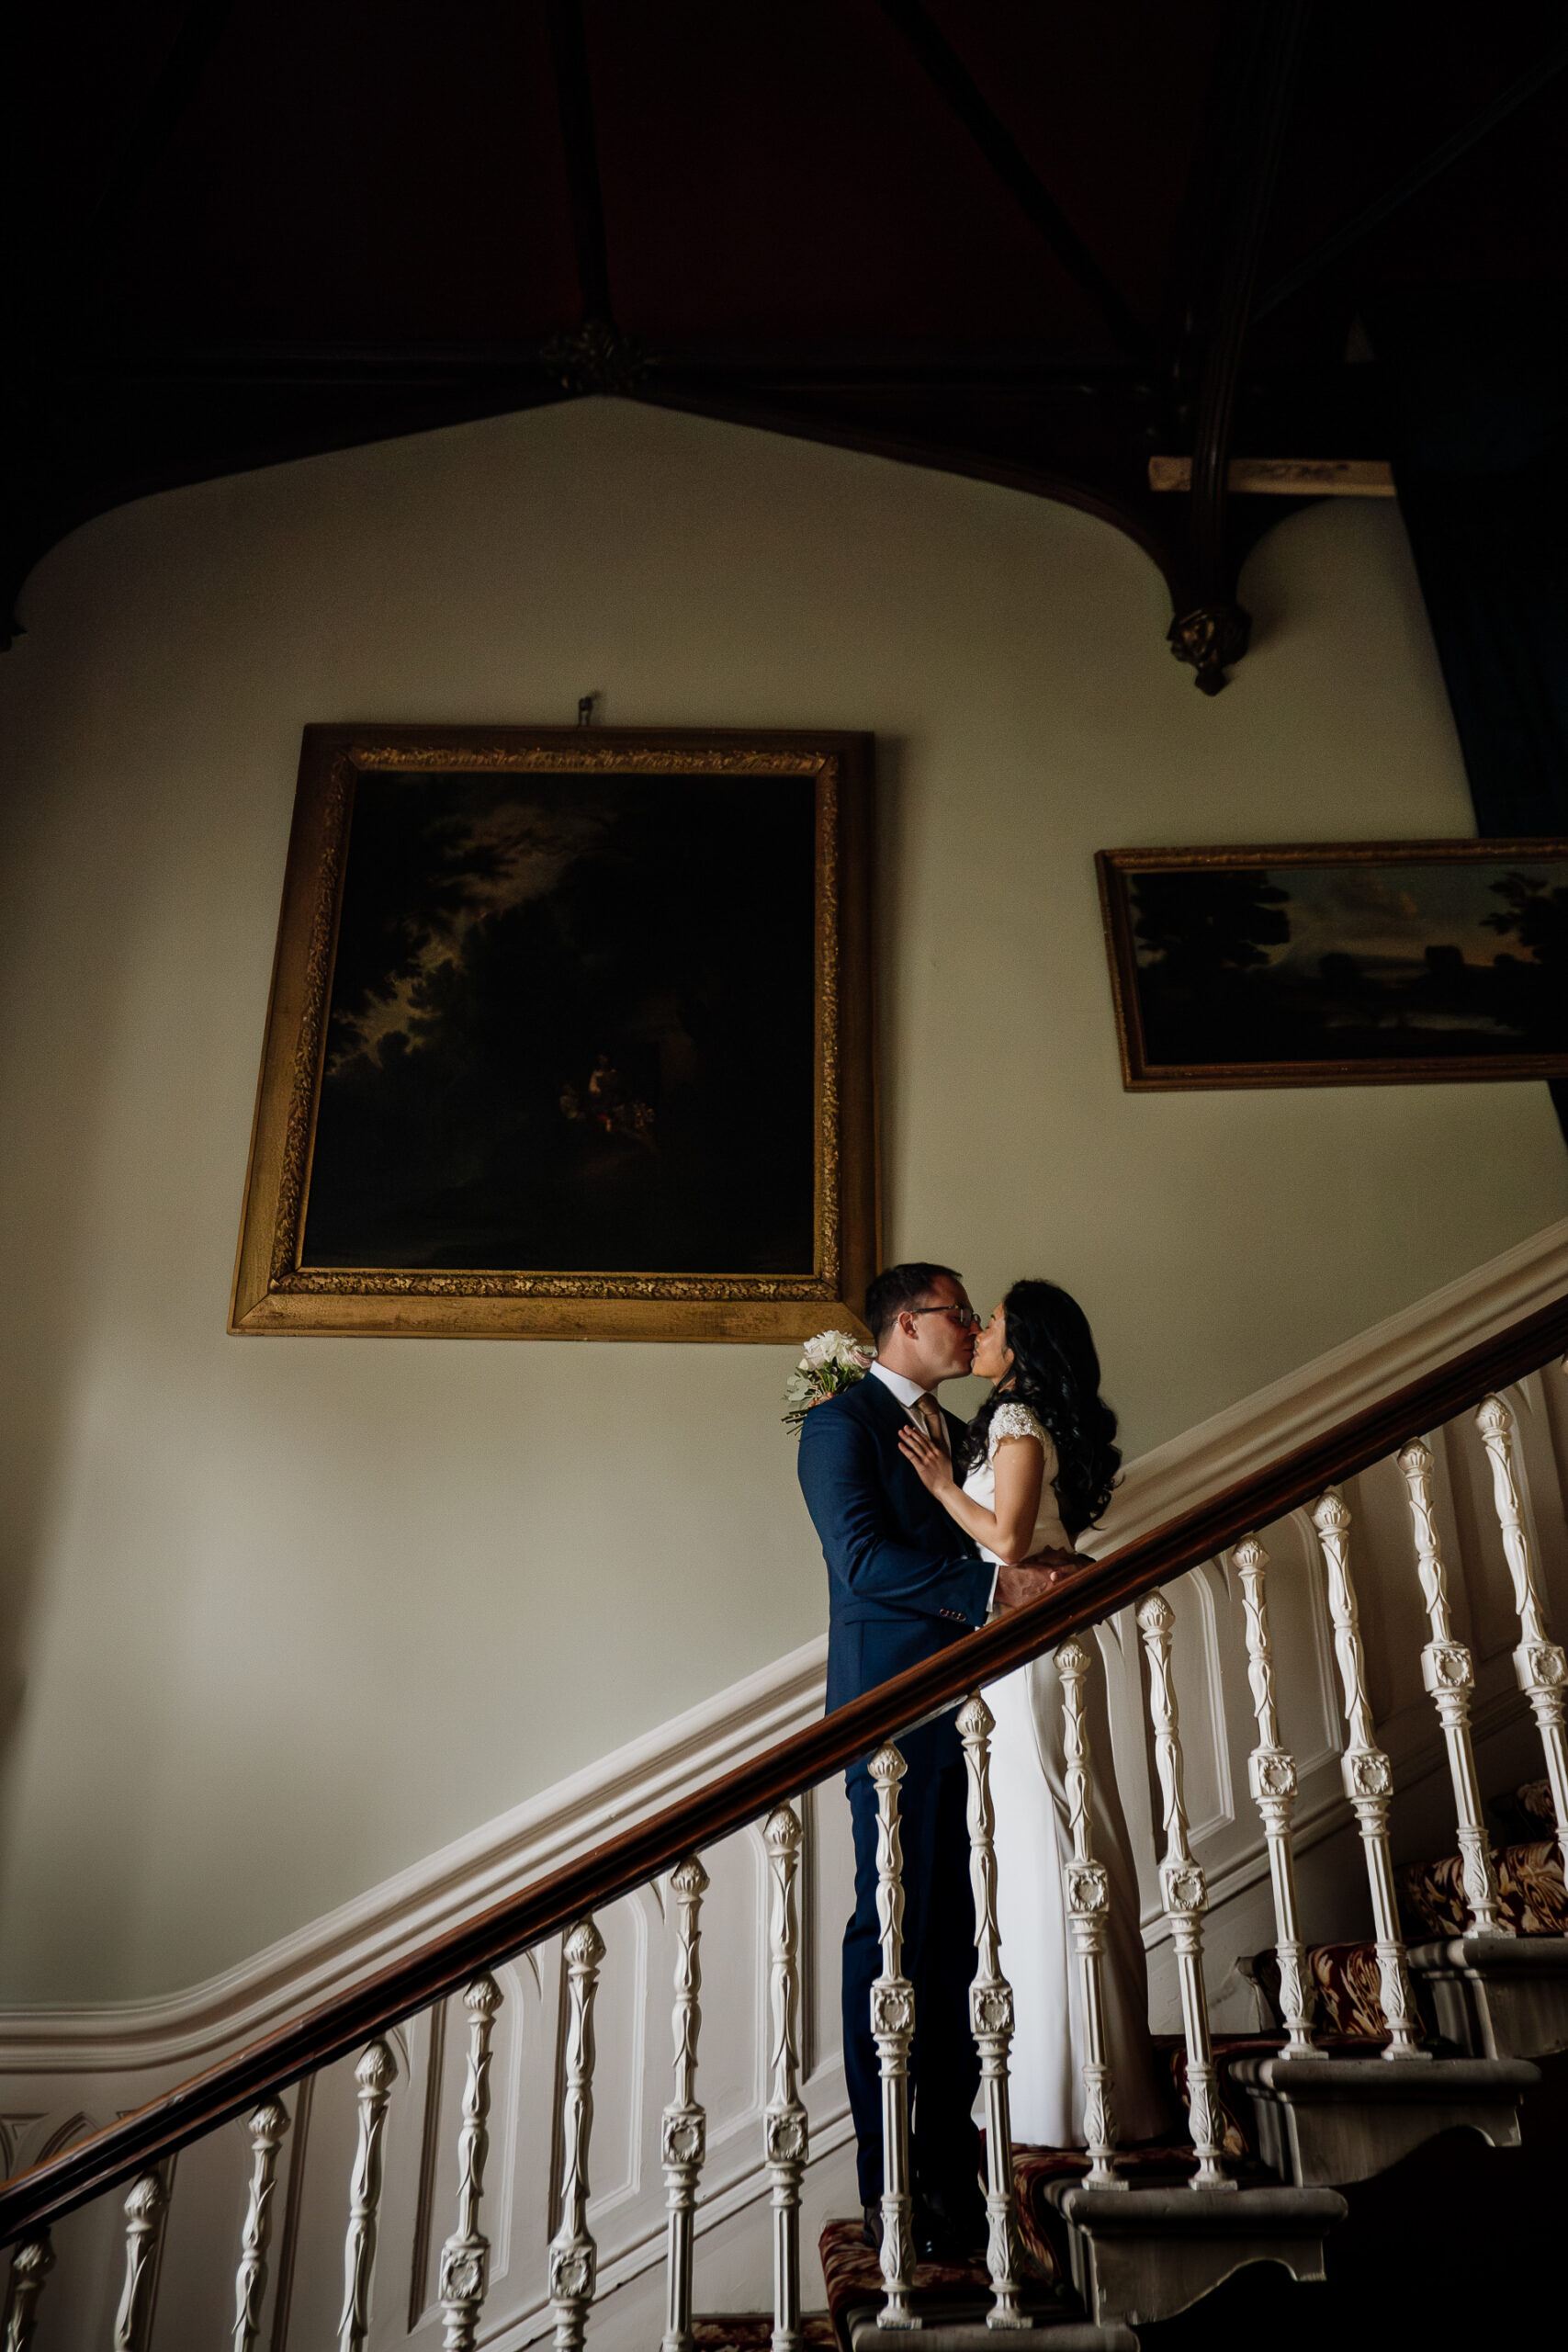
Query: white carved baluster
[1271, 1773]
[1087, 1891]
[785, 2124]
[464, 2257]
[1185, 1896]
[1539, 1664]
[376, 2073]
[30, 2265]
[266, 2128]
[893, 2030]
[990, 2018]
[574, 2257]
[1447, 1671]
[146, 2210]
[684, 2136]
[1367, 1777]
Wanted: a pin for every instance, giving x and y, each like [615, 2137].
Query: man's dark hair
[897, 1288]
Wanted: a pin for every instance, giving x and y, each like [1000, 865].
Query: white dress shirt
[909, 1393]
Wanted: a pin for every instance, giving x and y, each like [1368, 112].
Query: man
[903, 1582]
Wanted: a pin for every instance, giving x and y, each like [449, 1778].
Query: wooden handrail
[629, 1860]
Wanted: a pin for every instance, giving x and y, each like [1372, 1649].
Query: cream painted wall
[283, 1616]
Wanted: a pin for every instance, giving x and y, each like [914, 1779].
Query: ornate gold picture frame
[570, 1036]
[1344, 963]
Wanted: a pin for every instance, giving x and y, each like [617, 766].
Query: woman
[1039, 1467]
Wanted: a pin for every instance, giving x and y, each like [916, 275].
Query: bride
[1040, 1463]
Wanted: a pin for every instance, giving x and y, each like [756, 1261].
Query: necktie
[928, 1414]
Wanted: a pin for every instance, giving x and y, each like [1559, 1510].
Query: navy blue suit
[903, 1582]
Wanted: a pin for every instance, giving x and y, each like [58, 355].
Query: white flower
[831, 1361]
[833, 1347]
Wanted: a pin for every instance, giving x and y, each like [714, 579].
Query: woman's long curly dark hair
[1055, 1370]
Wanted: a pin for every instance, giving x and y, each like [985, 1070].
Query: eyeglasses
[967, 1318]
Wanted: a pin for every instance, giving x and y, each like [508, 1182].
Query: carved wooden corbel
[1212, 627]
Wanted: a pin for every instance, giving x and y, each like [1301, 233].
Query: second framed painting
[1360, 964]
[569, 1037]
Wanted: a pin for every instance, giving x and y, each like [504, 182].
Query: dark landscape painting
[571, 1027]
[1434, 962]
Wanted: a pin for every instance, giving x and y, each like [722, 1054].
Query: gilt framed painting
[569, 1037]
[1370, 963]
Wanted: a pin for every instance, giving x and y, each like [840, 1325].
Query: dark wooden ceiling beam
[1211, 631]
[956, 87]
[1399, 192]
[155, 414]
[574, 103]
[156, 123]
[855, 363]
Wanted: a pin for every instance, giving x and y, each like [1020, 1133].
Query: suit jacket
[903, 1580]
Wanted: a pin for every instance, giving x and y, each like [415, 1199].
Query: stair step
[1497, 1997]
[952, 2297]
[753, 2331]
[939, 2334]
[1325, 2121]
[1143, 2255]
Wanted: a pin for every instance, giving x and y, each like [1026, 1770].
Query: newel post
[786, 2137]
[1540, 1667]
[684, 2131]
[1087, 1887]
[893, 2030]
[574, 2257]
[1366, 1776]
[1449, 1679]
[30, 2265]
[146, 2215]
[464, 2257]
[1271, 1774]
[990, 2017]
[1185, 1895]
[374, 2074]
[266, 2128]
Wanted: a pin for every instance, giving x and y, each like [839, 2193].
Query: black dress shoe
[951, 2229]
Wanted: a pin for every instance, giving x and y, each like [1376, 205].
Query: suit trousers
[939, 1961]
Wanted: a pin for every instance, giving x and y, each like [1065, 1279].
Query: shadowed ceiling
[1007, 237]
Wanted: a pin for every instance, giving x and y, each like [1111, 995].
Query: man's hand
[1044, 1572]
[1016, 1587]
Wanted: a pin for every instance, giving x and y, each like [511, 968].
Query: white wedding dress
[1028, 1791]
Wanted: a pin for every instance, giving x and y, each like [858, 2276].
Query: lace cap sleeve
[1014, 1420]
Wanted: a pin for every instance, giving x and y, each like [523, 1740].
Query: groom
[903, 1582]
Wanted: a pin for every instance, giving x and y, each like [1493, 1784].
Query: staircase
[1318, 2158]
[1350, 2023]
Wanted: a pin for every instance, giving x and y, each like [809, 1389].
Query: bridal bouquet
[828, 1364]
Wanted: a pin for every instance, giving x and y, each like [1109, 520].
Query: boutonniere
[828, 1364]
